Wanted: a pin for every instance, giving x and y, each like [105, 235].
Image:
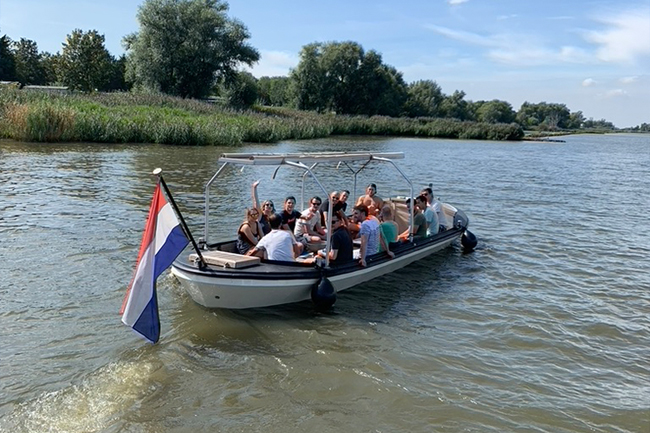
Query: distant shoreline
[155, 118]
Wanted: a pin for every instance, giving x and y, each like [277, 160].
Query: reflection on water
[543, 328]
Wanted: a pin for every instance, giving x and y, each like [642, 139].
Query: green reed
[157, 118]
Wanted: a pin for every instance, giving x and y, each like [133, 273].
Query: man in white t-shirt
[435, 206]
[308, 227]
[277, 244]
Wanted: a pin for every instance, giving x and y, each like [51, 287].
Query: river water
[544, 328]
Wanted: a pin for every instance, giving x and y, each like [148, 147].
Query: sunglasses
[268, 204]
[254, 215]
[317, 203]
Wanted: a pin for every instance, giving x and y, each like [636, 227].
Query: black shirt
[290, 218]
[324, 207]
[342, 242]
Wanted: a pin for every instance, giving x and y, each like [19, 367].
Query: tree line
[192, 49]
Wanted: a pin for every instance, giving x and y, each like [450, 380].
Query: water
[544, 328]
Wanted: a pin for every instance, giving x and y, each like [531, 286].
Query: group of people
[285, 235]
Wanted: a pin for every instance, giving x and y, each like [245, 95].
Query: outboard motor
[323, 294]
[468, 241]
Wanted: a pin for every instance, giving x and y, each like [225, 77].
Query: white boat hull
[230, 292]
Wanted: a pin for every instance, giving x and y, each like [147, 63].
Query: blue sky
[593, 56]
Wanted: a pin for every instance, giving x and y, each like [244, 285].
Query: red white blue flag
[162, 242]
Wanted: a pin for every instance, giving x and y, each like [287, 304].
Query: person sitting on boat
[278, 244]
[308, 227]
[435, 206]
[388, 228]
[419, 228]
[368, 232]
[324, 207]
[266, 210]
[289, 214]
[342, 248]
[429, 215]
[249, 232]
[371, 200]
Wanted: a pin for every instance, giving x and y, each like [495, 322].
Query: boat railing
[300, 161]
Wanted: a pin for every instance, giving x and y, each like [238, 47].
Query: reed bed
[157, 118]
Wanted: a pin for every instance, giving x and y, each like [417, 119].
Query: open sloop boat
[216, 276]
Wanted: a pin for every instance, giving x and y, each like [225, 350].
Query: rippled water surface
[544, 328]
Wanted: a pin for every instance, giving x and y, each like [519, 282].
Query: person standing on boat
[266, 210]
[249, 232]
[341, 250]
[277, 245]
[368, 232]
[435, 206]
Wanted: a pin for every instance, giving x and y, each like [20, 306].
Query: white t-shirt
[303, 225]
[437, 208]
[278, 245]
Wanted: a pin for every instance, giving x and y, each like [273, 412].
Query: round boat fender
[468, 240]
[323, 294]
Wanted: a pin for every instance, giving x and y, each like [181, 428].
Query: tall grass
[157, 118]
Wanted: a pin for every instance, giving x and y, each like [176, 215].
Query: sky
[592, 56]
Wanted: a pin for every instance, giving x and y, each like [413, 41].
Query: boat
[215, 276]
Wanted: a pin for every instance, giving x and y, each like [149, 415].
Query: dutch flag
[162, 242]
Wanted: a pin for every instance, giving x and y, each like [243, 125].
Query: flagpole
[186, 229]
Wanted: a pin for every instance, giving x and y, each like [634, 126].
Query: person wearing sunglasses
[308, 227]
[267, 209]
[436, 207]
[249, 232]
[341, 250]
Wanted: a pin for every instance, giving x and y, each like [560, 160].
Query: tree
[50, 63]
[424, 99]
[274, 90]
[242, 91]
[495, 111]
[455, 106]
[342, 77]
[29, 69]
[85, 62]
[185, 46]
[7, 62]
[543, 116]
[308, 80]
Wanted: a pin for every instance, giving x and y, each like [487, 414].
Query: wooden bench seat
[227, 260]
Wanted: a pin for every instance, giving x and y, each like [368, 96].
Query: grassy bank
[137, 118]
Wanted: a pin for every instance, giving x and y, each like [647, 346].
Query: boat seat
[449, 212]
[227, 260]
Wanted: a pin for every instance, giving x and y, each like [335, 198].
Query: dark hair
[372, 185]
[422, 198]
[317, 198]
[362, 208]
[290, 197]
[427, 189]
[275, 221]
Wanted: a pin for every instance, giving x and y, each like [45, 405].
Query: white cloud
[625, 38]
[588, 82]
[456, 2]
[274, 64]
[615, 93]
[516, 49]
[629, 80]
